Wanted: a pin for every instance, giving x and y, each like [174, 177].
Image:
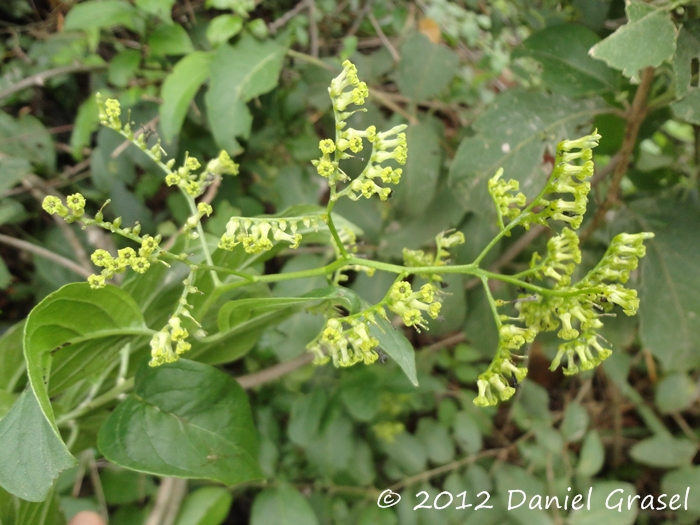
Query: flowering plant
[575, 308]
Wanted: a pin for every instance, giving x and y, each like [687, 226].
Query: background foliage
[482, 85]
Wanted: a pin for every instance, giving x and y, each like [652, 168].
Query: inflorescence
[574, 309]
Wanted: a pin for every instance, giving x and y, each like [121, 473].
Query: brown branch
[170, 494]
[275, 372]
[635, 117]
[360, 18]
[275, 26]
[392, 50]
[40, 78]
[313, 29]
[46, 254]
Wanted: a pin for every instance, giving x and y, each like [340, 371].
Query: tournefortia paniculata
[573, 309]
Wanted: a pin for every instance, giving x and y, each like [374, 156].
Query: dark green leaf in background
[239, 74]
[513, 134]
[110, 13]
[170, 40]
[664, 452]
[283, 505]
[179, 89]
[647, 40]
[122, 68]
[425, 68]
[222, 28]
[600, 513]
[205, 506]
[568, 69]
[669, 311]
[420, 174]
[11, 355]
[184, 419]
[687, 104]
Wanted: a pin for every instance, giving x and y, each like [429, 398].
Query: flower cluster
[571, 170]
[184, 177]
[443, 242]
[172, 334]
[72, 210]
[126, 258]
[402, 300]
[507, 204]
[387, 145]
[563, 254]
[254, 234]
[347, 346]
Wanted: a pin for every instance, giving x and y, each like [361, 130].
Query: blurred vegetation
[482, 85]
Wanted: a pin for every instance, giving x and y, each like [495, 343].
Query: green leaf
[239, 311]
[159, 8]
[12, 170]
[86, 122]
[122, 68]
[567, 68]
[395, 344]
[283, 505]
[14, 511]
[331, 450]
[305, 418]
[5, 275]
[647, 40]
[675, 392]
[600, 513]
[184, 419]
[575, 422]
[436, 440]
[11, 211]
[420, 175]
[513, 134]
[688, 108]
[74, 332]
[239, 74]
[669, 310]
[27, 138]
[688, 48]
[425, 68]
[467, 433]
[97, 15]
[678, 481]
[592, 455]
[664, 452]
[31, 452]
[11, 356]
[205, 506]
[179, 89]
[222, 28]
[170, 40]
[409, 453]
[242, 7]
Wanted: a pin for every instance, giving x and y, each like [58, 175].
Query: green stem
[334, 233]
[99, 401]
[200, 236]
[492, 303]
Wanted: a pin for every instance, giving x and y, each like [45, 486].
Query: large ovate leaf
[567, 68]
[647, 40]
[184, 419]
[669, 309]
[74, 332]
[179, 89]
[425, 68]
[238, 74]
[395, 344]
[513, 134]
[32, 454]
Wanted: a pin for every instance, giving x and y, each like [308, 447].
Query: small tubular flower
[222, 165]
[54, 206]
[508, 205]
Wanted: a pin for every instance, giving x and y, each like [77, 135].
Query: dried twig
[46, 254]
[40, 78]
[275, 26]
[168, 500]
[394, 53]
